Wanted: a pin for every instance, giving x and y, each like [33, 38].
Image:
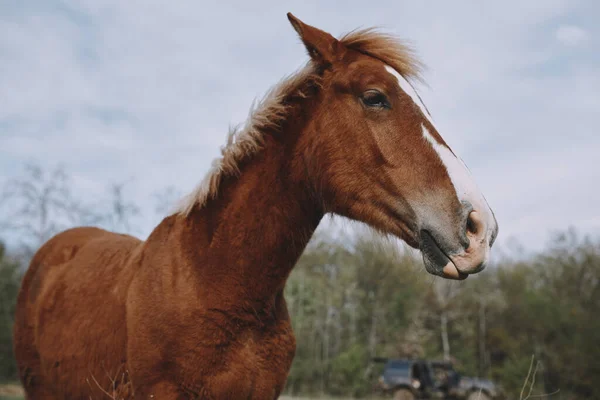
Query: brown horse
[197, 310]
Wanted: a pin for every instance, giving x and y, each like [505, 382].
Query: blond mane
[271, 110]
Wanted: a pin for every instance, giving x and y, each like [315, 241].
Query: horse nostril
[471, 228]
[474, 223]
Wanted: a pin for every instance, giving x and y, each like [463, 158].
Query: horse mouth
[436, 260]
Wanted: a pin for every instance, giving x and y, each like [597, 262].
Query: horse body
[197, 310]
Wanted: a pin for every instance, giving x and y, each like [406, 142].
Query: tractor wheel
[478, 396]
[404, 394]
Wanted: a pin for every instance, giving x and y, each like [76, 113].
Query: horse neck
[245, 241]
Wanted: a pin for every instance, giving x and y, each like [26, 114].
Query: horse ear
[321, 46]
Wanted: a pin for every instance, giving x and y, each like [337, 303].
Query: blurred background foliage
[356, 296]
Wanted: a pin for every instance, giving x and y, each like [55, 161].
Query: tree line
[355, 297]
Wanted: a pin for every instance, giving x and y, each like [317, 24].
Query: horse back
[62, 248]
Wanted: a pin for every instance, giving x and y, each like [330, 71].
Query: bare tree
[166, 199]
[122, 211]
[40, 203]
[445, 291]
[37, 205]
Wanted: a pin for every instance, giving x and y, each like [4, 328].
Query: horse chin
[404, 232]
[410, 240]
[436, 261]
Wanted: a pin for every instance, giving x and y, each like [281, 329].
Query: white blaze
[410, 90]
[464, 184]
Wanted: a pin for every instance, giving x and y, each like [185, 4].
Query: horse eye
[374, 98]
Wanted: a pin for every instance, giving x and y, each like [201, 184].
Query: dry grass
[324, 397]
[14, 391]
[530, 379]
[11, 391]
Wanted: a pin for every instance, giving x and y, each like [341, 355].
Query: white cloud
[571, 35]
[118, 89]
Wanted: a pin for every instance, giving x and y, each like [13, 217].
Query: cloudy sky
[144, 92]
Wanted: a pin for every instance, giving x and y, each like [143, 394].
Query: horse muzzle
[470, 256]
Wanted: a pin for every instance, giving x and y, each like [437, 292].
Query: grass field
[20, 397]
[13, 391]
[3, 397]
